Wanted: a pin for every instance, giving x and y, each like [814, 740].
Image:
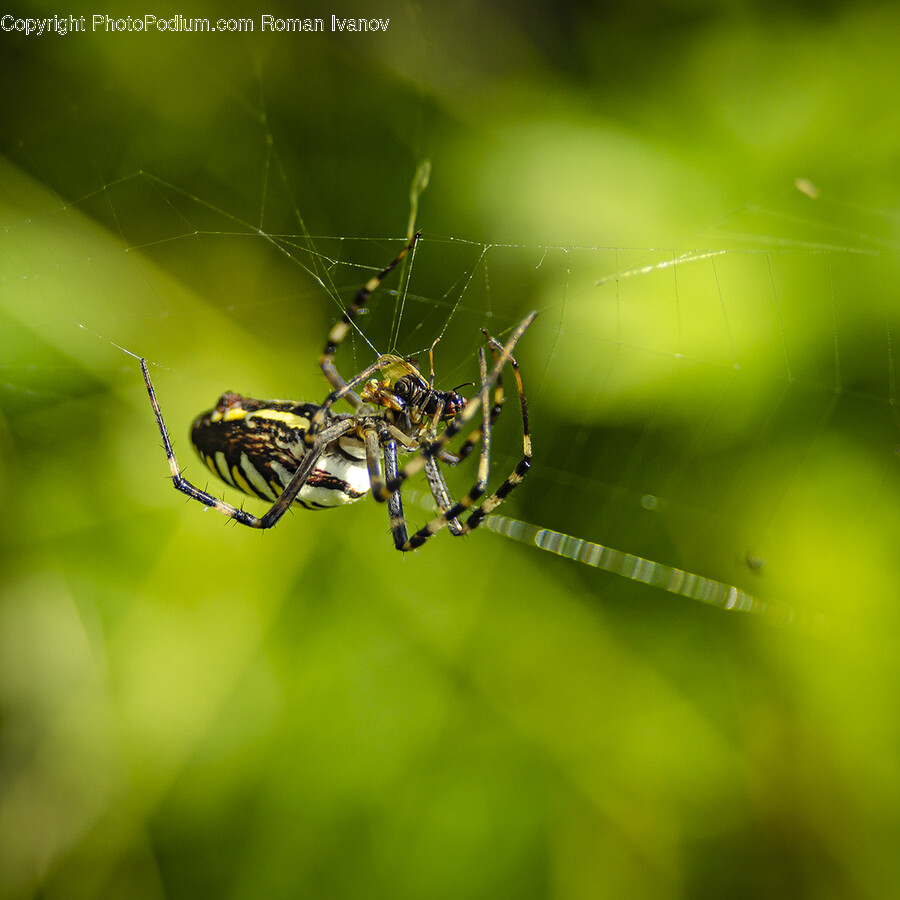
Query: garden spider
[287, 452]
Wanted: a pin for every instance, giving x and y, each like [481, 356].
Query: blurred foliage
[194, 711]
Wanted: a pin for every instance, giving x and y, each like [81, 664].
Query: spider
[287, 452]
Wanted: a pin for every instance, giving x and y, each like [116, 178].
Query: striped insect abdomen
[257, 445]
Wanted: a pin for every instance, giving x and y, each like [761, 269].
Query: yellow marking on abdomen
[232, 414]
[211, 464]
[240, 481]
[280, 415]
[222, 466]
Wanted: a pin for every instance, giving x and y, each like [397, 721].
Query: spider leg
[512, 481]
[440, 492]
[515, 478]
[467, 446]
[287, 497]
[395, 503]
[378, 442]
[450, 511]
[433, 473]
[342, 327]
[399, 530]
[382, 441]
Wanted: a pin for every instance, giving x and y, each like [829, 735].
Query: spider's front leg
[342, 327]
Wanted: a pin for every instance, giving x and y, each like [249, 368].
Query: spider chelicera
[287, 452]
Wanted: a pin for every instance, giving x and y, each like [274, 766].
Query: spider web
[714, 421]
[686, 402]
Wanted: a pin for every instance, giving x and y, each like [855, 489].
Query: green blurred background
[192, 710]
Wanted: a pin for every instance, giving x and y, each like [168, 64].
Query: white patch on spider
[222, 466]
[354, 473]
[352, 446]
[351, 478]
[283, 475]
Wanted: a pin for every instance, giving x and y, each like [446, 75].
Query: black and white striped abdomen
[256, 446]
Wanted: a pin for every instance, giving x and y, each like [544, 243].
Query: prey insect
[308, 454]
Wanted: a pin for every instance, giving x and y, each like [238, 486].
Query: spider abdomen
[257, 445]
